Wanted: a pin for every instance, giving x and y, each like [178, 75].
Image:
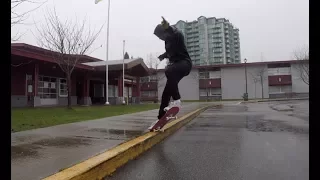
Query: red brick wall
[18, 82]
[18, 78]
[50, 69]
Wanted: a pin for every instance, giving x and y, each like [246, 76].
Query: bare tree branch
[153, 64]
[302, 56]
[67, 41]
[259, 76]
[21, 17]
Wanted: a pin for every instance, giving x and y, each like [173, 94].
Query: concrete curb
[269, 100]
[106, 163]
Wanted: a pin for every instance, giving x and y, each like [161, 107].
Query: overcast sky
[272, 29]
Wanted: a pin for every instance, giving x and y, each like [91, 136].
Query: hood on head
[160, 32]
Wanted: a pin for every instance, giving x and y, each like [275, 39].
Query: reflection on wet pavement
[63, 142]
[238, 142]
[24, 151]
[117, 133]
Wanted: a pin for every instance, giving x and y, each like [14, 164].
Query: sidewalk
[36, 154]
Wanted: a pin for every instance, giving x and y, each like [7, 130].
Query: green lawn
[32, 118]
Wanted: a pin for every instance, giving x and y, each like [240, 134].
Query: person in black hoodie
[179, 64]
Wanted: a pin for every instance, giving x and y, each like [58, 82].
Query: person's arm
[163, 56]
[172, 40]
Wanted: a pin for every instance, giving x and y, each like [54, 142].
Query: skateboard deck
[170, 114]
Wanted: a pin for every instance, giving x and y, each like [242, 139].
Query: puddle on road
[32, 150]
[228, 108]
[63, 142]
[210, 125]
[253, 123]
[118, 134]
[263, 125]
[220, 121]
[134, 121]
[24, 151]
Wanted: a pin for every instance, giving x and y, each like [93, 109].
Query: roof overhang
[135, 67]
[41, 57]
[265, 63]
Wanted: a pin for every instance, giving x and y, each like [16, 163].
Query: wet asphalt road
[247, 142]
[38, 153]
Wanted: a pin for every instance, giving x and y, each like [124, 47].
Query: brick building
[37, 80]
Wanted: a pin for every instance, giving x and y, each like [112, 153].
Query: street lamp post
[245, 69]
[107, 57]
[123, 88]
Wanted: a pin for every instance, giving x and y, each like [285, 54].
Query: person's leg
[174, 74]
[171, 75]
[180, 70]
[165, 99]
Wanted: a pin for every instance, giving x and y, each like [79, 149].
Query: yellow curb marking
[106, 163]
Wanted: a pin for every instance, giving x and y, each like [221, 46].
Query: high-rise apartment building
[211, 41]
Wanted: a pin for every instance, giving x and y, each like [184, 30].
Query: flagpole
[107, 58]
[123, 99]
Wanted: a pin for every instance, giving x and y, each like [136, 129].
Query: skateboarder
[179, 64]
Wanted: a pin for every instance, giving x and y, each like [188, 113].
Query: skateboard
[170, 114]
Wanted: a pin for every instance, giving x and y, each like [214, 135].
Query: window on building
[280, 89]
[130, 91]
[148, 93]
[125, 92]
[279, 71]
[153, 78]
[63, 88]
[215, 91]
[111, 91]
[203, 74]
[203, 92]
[47, 87]
[29, 77]
[116, 89]
[144, 79]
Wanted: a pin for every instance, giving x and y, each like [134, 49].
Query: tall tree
[259, 76]
[153, 63]
[302, 56]
[126, 56]
[68, 41]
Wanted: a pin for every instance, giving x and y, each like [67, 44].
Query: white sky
[273, 28]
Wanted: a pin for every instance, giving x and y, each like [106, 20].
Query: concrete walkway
[38, 153]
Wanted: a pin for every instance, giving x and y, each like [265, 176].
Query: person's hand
[161, 57]
[164, 23]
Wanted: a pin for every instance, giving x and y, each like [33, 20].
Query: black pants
[174, 73]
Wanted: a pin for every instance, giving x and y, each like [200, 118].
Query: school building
[37, 80]
[273, 79]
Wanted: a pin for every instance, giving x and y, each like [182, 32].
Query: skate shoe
[176, 103]
[153, 124]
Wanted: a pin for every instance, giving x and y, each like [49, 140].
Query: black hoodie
[176, 49]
